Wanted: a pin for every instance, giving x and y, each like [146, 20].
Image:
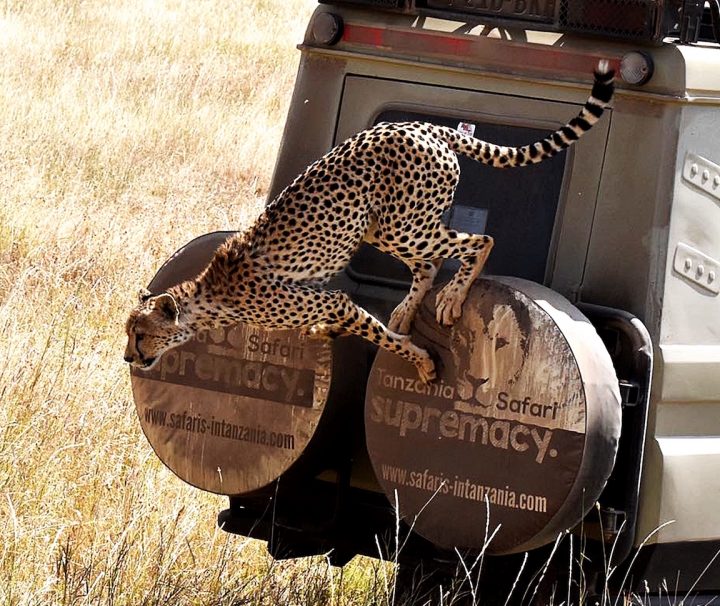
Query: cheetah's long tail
[506, 157]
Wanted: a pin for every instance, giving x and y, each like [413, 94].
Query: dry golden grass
[126, 129]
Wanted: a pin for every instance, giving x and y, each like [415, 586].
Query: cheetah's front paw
[421, 358]
[426, 368]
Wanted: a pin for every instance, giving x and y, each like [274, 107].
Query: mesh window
[617, 18]
[381, 4]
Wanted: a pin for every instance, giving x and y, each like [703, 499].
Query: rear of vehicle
[625, 225]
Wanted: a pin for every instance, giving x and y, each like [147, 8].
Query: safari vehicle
[321, 447]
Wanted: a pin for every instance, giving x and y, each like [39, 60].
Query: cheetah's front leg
[355, 320]
[324, 312]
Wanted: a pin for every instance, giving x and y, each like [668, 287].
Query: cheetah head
[152, 328]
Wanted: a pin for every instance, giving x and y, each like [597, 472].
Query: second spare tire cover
[523, 420]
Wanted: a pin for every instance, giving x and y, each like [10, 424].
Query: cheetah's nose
[128, 359]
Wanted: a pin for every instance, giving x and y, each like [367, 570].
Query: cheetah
[389, 186]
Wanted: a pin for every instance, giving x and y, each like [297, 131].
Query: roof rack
[650, 21]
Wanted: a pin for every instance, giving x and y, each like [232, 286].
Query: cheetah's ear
[143, 295]
[167, 304]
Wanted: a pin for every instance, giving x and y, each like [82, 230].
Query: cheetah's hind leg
[472, 251]
[423, 274]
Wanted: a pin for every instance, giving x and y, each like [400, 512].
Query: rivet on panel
[700, 270]
[705, 175]
[693, 170]
[716, 180]
[688, 264]
[711, 276]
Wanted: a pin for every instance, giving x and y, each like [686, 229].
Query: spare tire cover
[233, 408]
[523, 420]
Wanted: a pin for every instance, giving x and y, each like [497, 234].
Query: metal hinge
[612, 522]
[702, 173]
[697, 267]
[629, 392]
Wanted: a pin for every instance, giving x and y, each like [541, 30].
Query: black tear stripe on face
[148, 363]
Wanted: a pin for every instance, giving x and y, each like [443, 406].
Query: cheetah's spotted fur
[388, 185]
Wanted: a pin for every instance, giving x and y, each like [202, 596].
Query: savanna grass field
[126, 129]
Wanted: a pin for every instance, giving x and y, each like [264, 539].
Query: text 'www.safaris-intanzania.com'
[218, 428]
